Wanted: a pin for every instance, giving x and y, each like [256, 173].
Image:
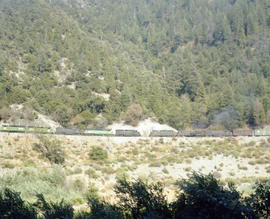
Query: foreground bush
[101, 210]
[205, 197]
[260, 199]
[51, 210]
[141, 200]
[12, 206]
[201, 196]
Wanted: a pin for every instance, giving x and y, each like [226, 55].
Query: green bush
[260, 198]
[92, 191]
[98, 153]
[78, 185]
[12, 206]
[164, 170]
[91, 173]
[121, 174]
[51, 210]
[107, 170]
[142, 200]
[200, 196]
[203, 196]
[8, 165]
[30, 181]
[101, 210]
[155, 164]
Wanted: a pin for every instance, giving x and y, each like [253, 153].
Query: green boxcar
[40, 130]
[2, 129]
[262, 132]
[26, 129]
[97, 132]
[12, 129]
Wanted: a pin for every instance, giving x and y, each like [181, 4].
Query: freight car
[98, 132]
[191, 133]
[218, 133]
[127, 133]
[262, 132]
[163, 133]
[184, 133]
[40, 130]
[242, 132]
[16, 129]
[26, 129]
[66, 131]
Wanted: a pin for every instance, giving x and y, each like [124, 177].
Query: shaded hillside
[184, 62]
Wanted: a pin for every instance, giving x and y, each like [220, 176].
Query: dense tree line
[183, 61]
[200, 196]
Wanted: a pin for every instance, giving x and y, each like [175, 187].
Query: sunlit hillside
[85, 63]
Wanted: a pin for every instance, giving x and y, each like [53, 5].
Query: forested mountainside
[183, 62]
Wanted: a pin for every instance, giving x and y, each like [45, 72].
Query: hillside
[88, 63]
[89, 162]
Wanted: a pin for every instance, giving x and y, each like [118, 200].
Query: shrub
[188, 161]
[267, 169]
[107, 170]
[52, 149]
[155, 164]
[135, 151]
[12, 206]
[121, 174]
[161, 140]
[242, 167]
[8, 165]
[29, 163]
[260, 198]
[91, 173]
[98, 153]
[92, 191]
[187, 169]
[51, 210]
[30, 181]
[164, 162]
[78, 185]
[141, 200]
[101, 210]
[164, 170]
[232, 173]
[252, 143]
[203, 196]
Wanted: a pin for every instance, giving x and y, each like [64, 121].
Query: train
[134, 133]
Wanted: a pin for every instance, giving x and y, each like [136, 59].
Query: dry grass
[157, 158]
